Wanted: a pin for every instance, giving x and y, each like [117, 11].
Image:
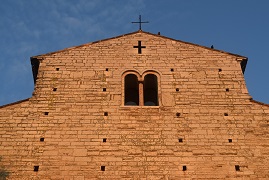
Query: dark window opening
[131, 90]
[103, 168]
[42, 139]
[180, 140]
[104, 89]
[105, 113]
[151, 90]
[230, 140]
[184, 168]
[104, 140]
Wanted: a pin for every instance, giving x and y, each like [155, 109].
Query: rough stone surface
[142, 142]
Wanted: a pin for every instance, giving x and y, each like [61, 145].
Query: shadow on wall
[3, 173]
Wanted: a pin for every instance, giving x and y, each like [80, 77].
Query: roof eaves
[140, 31]
[240, 57]
[82, 45]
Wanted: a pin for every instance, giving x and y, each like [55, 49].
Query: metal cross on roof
[140, 22]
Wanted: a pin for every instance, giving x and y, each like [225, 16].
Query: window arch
[140, 90]
[131, 90]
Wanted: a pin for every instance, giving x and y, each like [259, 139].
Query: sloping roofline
[258, 102]
[35, 60]
[139, 31]
[14, 103]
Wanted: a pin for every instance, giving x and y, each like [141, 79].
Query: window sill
[141, 107]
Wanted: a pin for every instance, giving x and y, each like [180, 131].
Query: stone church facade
[136, 106]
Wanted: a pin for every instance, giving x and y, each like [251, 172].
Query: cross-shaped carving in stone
[139, 47]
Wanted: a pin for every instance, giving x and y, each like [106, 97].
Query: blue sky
[33, 27]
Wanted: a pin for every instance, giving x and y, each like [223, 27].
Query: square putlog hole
[177, 89]
[36, 168]
[177, 114]
[42, 139]
[54, 89]
[230, 140]
[180, 140]
[104, 139]
[237, 167]
[105, 113]
[46, 113]
[57, 69]
[103, 168]
[184, 168]
[172, 69]
[225, 114]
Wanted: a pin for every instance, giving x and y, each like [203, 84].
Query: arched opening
[151, 90]
[131, 90]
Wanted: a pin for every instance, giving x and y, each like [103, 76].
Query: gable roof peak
[135, 32]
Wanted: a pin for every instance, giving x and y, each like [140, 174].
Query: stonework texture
[206, 125]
